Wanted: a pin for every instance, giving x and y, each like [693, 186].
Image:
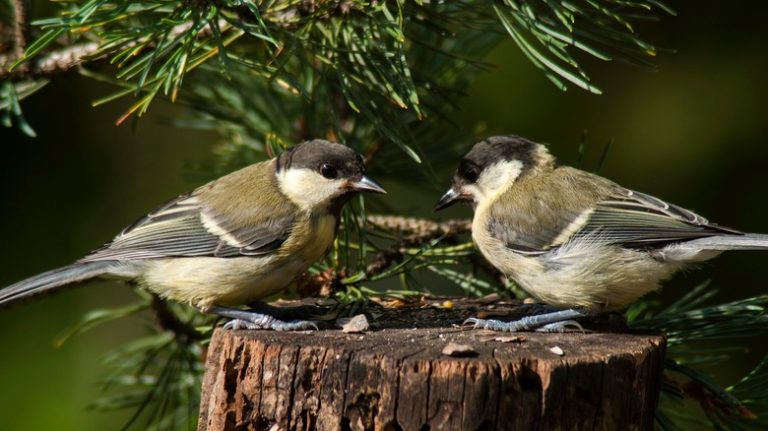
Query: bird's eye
[470, 174]
[468, 171]
[328, 171]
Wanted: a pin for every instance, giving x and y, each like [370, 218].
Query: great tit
[574, 240]
[233, 241]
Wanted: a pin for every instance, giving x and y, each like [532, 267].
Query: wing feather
[179, 229]
[635, 219]
[536, 216]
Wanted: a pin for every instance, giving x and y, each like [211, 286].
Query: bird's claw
[561, 326]
[237, 324]
[295, 325]
[558, 321]
[271, 323]
[248, 319]
[495, 325]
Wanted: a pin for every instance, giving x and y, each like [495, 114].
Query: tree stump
[400, 376]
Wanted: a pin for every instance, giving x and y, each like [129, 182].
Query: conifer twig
[416, 231]
[20, 27]
[420, 228]
[49, 64]
[169, 321]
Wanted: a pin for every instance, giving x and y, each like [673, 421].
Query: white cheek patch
[307, 188]
[474, 191]
[495, 179]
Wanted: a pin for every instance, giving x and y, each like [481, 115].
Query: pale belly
[604, 278]
[206, 281]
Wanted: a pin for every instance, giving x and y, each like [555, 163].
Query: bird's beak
[366, 184]
[449, 198]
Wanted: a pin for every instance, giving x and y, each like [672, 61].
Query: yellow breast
[312, 242]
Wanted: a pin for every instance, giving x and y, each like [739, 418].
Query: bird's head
[492, 166]
[319, 174]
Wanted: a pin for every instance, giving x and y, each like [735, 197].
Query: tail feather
[52, 280]
[750, 241]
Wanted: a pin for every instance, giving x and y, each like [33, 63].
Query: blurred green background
[694, 132]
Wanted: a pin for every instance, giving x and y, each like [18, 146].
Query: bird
[231, 242]
[576, 241]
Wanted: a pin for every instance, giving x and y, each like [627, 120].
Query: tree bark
[401, 377]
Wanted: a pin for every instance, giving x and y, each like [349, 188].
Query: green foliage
[158, 376]
[10, 95]
[700, 337]
[363, 69]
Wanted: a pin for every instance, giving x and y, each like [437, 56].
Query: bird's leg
[264, 308]
[557, 321]
[283, 313]
[245, 319]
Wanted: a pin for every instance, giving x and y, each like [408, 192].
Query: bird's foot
[244, 319]
[561, 326]
[557, 321]
[270, 322]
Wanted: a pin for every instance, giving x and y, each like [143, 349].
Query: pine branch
[49, 64]
[419, 229]
[20, 27]
[687, 324]
[369, 53]
[169, 321]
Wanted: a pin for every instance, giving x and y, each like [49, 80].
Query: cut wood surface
[415, 369]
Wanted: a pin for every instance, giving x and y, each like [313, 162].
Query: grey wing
[635, 219]
[534, 234]
[181, 228]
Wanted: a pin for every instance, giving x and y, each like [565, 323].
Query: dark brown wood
[396, 377]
